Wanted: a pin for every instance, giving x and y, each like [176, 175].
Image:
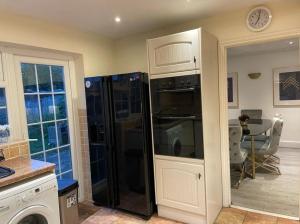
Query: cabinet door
[180, 185]
[174, 53]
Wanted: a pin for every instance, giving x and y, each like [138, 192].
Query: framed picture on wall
[232, 89]
[286, 86]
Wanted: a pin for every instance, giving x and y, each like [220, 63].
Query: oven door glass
[178, 136]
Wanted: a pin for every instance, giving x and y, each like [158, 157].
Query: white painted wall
[258, 94]
[131, 52]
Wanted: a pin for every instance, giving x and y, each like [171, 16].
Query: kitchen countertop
[24, 168]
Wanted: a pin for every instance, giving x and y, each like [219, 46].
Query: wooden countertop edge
[17, 177]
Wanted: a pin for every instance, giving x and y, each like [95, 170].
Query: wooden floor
[273, 193]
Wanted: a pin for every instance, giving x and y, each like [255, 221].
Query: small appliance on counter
[120, 142]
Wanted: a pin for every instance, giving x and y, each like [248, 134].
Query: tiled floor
[90, 214]
[236, 216]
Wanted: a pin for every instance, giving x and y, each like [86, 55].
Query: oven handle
[177, 117]
[176, 90]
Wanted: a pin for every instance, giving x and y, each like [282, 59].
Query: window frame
[9, 53]
[4, 84]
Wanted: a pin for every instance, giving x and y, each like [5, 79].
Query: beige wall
[96, 50]
[131, 53]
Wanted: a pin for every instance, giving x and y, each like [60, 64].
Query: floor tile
[287, 221]
[255, 218]
[85, 210]
[230, 216]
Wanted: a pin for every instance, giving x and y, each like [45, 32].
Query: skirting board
[289, 144]
[179, 215]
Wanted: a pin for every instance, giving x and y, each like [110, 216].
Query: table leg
[253, 156]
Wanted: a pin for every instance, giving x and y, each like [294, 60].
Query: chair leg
[272, 159]
[268, 166]
[276, 158]
[242, 176]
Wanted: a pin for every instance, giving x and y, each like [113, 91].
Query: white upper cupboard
[174, 53]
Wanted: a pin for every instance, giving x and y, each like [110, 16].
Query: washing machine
[31, 202]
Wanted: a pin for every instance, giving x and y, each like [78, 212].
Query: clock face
[259, 18]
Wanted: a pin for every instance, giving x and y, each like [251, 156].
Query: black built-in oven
[177, 116]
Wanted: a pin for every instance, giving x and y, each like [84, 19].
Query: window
[47, 117]
[3, 108]
[4, 128]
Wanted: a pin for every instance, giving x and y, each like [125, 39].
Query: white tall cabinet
[190, 190]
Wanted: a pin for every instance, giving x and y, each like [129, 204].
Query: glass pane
[58, 78]
[63, 133]
[3, 117]
[47, 107]
[28, 77]
[32, 109]
[60, 106]
[2, 97]
[34, 132]
[52, 157]
[39, 156]
[49, 135]
[44, 80]
[68, 175]
[65, 159]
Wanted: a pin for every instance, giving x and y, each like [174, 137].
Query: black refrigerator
[120, 144]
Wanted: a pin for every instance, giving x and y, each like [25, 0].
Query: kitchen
[128, 55]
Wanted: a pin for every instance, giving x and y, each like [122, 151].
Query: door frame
[223, 46]
[13, 56]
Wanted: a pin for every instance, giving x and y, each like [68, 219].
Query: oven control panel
[179, 82]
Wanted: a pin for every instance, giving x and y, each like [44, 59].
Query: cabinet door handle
[199, 176]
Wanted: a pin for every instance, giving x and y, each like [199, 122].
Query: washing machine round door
[35, 215]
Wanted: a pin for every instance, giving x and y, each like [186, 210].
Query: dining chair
[264, 138]
[265, 150]
[238, 155]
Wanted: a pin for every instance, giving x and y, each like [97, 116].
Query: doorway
[263, 91]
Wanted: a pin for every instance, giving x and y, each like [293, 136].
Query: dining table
[254, 127]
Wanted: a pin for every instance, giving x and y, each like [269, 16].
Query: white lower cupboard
[180, 185]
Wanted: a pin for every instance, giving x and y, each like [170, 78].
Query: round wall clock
[259, 18]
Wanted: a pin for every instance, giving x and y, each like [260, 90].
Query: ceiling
[274, 46]
[137, 15]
